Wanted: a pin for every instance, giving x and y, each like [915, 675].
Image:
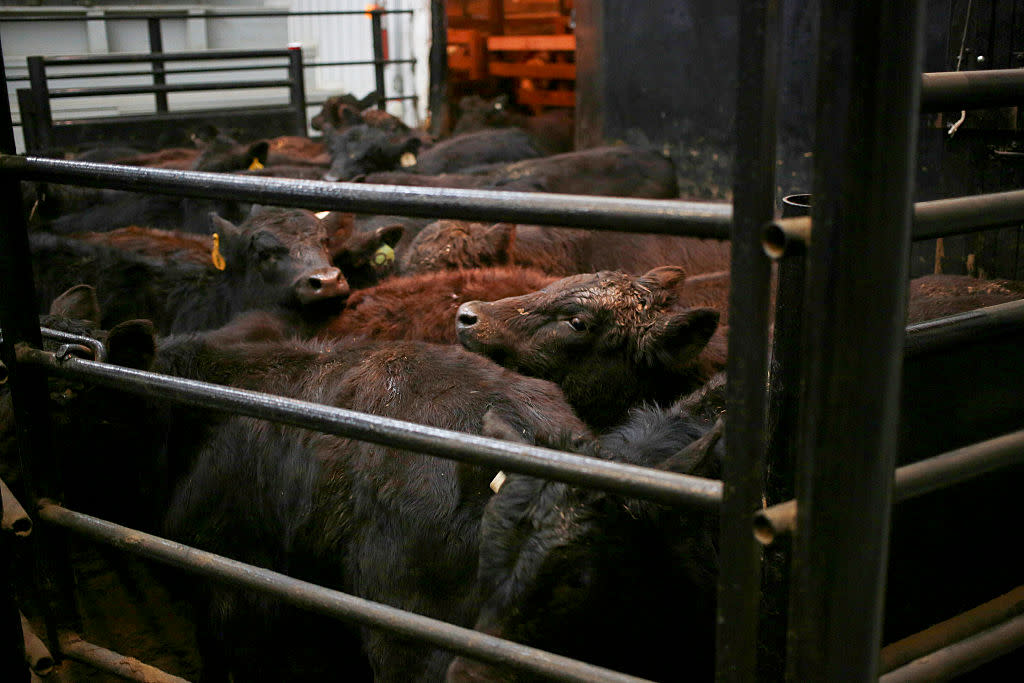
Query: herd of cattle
[607, 344]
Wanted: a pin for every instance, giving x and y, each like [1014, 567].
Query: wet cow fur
[448, 244]
[276, 258]
[609, 339]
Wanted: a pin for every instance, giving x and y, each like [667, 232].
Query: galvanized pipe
[165, 88]
[957, 90]
[971, 327]
[204, 56]
[963, 656]
[73, 646]
[916, 479]
[698, 219]
[953, 630]
[936, 218]
[185, 15]
[333, 603]
[664, 487]
[15, 520]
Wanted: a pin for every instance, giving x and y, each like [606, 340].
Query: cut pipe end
[775, 521]
[773, 241]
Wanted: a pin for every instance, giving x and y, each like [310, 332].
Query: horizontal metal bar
[970, 327]
[363, 62]
[73, 646]
[330, 602]
[99, 350]
[665, 487]
[184, 15]
[169, 72]
[135, 57]
[166, 87]
[942, 471]
[937, 218]
[963, 656]
[948, 632]
[957, 90]
[670, 216]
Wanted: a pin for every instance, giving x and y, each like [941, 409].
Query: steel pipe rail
[166, 87]
[936, 218]
[669, 216]
[73, 646]
[963, 656]
[971, 327]
[132, 58]
[124, 15]
[916, 479]
[664, 487]
[957, 90]
[951, 631]
[330, 602]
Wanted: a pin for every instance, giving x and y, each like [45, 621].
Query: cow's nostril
[466, 318]
[315, 283]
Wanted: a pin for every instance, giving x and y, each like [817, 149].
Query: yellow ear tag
[408, 159]
[218, 260]
[255, 165]
[383, 255]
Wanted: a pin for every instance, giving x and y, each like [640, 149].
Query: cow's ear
[347, 115]
[132, 344]
[501, 237]
[700, 458]
[496, 427]
[257, 151]
[390, 234]
[664, 277]
[223, 226]
[678, 336]
[78, 303]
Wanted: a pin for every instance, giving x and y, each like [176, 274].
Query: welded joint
[15, 520]
[775, 521]
[780, 233]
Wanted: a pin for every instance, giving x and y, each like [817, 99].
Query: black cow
[276, 258]
[482, 147]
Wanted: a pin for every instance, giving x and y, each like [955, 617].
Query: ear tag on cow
[408, 159]
[384, 255]
[498, 481]
[322, 214]
[218, 260]
[255, 165]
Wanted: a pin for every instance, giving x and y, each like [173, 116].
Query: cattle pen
[820, 399]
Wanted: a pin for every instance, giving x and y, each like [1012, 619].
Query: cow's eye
[577, 324]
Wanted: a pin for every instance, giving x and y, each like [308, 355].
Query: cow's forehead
[294, 224]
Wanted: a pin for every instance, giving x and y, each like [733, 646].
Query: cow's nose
[324, 283]
[466, 316]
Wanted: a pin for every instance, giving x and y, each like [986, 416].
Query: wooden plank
[547, 98]
[461, 35]
[517, 70]
[531, 43]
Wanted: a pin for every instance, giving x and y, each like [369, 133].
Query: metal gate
[845, 385]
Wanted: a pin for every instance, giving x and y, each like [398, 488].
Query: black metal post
[156, 46]
[297, 91]
[377, 32]
[739, 583]
[869, 80]
[438, 102]
[40, 103]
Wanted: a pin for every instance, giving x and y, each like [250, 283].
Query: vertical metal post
[739, 586]
[438, 102]
[297, 90]
[41, 103]
[19, 320]
[377, 29]
[156, 46]
[869, 79]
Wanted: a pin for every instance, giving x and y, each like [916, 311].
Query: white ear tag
[498, 481]
[322, 215]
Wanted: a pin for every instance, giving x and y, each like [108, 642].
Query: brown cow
[609, 339]
[559, 251]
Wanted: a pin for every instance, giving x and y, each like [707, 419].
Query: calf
[382, 523]
[475, 149]
[552, 129]
[339, 108]
[609, 339]
[619, 582]
[276, 258]
[560, 251]
[422, 307]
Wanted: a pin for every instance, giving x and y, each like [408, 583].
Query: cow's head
[366, 148]
[221, 153]
[365, 256]
[609, 339]
[452, 244]
[279, 256]
[608, 579]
